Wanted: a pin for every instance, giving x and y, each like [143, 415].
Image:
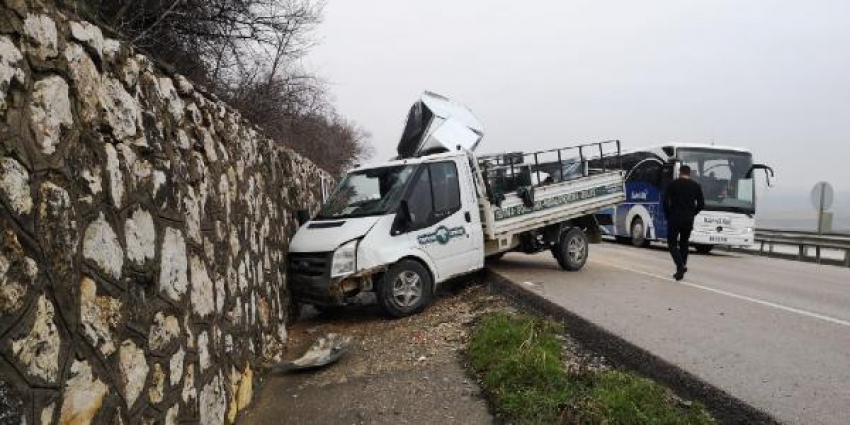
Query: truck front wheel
[405, 289]
[571, 250]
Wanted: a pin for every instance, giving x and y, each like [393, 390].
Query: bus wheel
[704, 249]
[571, 250]
[639, 233]
[405, 289]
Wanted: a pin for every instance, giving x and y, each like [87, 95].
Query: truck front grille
[312, 264]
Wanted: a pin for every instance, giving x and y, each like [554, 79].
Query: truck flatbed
[554, 203]
[528, 191]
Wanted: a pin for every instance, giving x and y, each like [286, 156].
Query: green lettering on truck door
[442, 235]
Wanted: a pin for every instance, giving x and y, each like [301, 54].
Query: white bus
[726, 177]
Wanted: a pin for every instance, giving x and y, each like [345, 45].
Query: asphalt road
[773, 333]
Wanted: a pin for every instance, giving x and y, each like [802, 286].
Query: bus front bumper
[702, 237]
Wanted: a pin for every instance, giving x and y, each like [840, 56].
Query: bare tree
[248, 52]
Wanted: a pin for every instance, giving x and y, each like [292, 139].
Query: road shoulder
[623, 354]
[397, 371]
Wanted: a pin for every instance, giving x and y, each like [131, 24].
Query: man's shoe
[679, 275]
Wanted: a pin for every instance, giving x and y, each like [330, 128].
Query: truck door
[446, 219]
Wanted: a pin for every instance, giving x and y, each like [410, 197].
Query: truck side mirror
[303, 216]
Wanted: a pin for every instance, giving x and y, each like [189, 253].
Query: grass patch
[520, 360]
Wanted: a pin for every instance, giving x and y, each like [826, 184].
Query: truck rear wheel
[405, 289]
[494, 258]
[572, 250]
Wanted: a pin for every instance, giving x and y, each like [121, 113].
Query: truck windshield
[369, 192]
[722, 175]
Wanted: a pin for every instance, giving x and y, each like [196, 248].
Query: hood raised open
[437, 124]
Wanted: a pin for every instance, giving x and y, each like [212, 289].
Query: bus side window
[653, 173]
[665, 177]
[629, 161]
[648, 172]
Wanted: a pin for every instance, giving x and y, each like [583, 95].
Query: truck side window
[419, 201]
[446, 189]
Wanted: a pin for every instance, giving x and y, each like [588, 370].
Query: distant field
[791, 208]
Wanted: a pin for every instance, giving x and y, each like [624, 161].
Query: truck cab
[415, 218]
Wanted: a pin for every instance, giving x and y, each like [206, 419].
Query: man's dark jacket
[683, 200]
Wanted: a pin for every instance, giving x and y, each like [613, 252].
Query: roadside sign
[826, 222]
[822, 196]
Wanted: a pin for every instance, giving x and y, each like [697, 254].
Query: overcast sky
[770, 75]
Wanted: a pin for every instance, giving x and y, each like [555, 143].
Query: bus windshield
[368, 192]
[723, 177]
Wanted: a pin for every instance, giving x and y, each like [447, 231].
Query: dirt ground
[397, 371]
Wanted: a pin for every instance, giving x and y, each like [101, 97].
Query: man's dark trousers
[678, 238]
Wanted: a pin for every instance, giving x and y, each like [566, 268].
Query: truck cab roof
[412, 161]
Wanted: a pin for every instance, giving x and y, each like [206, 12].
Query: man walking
[683, 200]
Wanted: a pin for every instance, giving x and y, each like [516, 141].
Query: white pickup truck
[403, 227]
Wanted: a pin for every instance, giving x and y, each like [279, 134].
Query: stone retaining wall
[143, 232]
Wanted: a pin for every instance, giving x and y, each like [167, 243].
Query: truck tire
[494, 258]
[571, 250]
[328, 310]
[405, 289]
[703, 249]
[293, 311]
[638, 233]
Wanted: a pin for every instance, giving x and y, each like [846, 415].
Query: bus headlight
[344, 260]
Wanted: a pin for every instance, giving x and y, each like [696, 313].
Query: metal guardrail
[770, 238]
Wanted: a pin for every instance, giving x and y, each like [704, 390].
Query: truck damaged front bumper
[309, 280]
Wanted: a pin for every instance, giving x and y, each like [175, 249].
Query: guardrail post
[761, 248]
[817, 254]
[847, 257]
[802, 255]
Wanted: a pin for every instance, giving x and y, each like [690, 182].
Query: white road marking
[733, 295]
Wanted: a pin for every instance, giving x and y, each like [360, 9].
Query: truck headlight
[344, 259]
[750, 230]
